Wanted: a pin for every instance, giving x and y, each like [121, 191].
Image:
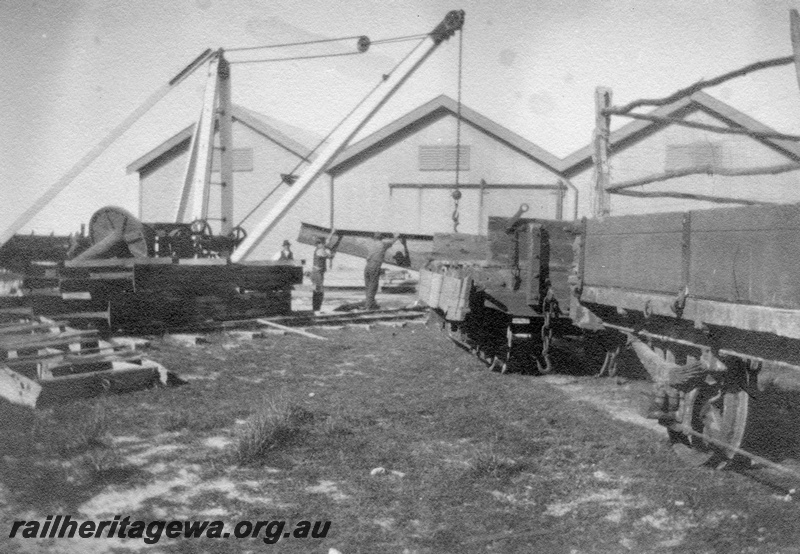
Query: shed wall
[364, 200]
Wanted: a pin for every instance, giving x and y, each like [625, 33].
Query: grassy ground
[287, 427]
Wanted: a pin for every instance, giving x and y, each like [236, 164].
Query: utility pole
[226, 146]
[601, 205]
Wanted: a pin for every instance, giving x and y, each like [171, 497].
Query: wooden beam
[359, 244]
[201, 175]
[560, 204]
[725, 172]
[481, 192]
[290, 329]
[568, 186]
[188, 176]
[477, 186]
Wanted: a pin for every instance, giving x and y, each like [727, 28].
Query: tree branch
[707, 127]
[767, 170]
[689, 196]
[688, 91]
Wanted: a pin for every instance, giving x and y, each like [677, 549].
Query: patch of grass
[105, 466]
[336, 425]
[57, 457]
[274, 426]
[487, 462]
[176, 421]
[475, 461]
[93, 430]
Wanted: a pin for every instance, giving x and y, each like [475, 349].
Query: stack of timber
[158, 293]
[16, 254]
[155, 294]
[144, 277]
[43, 361]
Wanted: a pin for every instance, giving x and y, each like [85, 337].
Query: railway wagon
[709, 301]
[505, 295]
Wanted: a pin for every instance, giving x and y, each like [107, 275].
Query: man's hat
[287, 243]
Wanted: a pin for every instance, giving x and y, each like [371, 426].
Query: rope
[456, 191]
[307, 42]
[320, 143]
[362, 46]
[399, 39]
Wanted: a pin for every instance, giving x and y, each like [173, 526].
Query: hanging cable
[320, 143]
[457, 191]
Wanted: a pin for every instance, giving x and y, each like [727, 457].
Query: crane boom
[452, 22]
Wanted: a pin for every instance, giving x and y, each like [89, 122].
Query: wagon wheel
[719, 410]
[201, 227]
[111, 221]
[237, 234]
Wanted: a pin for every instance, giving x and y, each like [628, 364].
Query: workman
[322, 253]
[372, 271]
[285, 254]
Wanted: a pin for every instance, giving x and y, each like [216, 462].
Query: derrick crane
[142, 274]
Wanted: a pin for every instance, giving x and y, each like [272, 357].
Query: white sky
[72, 70]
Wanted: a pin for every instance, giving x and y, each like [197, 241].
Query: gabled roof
[636, 130]
[287, 136]
[295, 140]
[439, 107]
